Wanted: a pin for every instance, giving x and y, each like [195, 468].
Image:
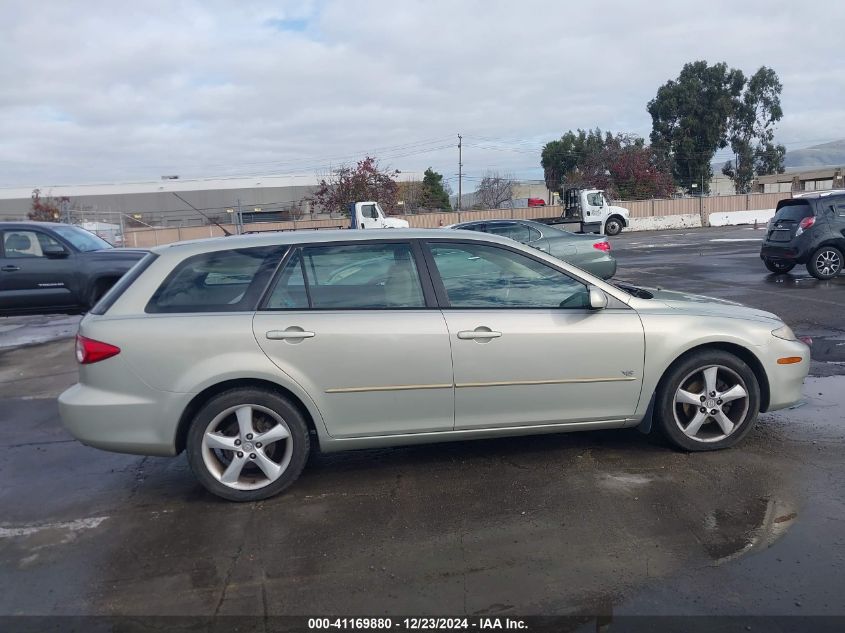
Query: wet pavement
[608, 523]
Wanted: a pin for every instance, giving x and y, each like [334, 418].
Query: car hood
[396, 223]
[620, 210]
[112, 254]
[706, 306]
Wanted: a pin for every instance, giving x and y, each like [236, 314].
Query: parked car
[49, 267]
[248, 351]
[807, 229]
[590, 252]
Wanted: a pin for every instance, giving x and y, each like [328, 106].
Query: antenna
[219, 226]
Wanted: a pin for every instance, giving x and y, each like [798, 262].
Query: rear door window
[220, 281]
[349, 277]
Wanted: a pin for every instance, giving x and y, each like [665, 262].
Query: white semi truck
[369, 215]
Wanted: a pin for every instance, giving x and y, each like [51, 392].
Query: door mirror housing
[598, 299]
[54, 252]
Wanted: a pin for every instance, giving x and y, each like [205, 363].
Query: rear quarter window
[220, 281]
[117, 290]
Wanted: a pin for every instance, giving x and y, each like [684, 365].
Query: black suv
[48, 267]
[808, 229]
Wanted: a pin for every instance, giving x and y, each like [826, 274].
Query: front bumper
[785, 381]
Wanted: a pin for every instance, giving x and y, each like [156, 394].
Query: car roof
[14, 224]
[813, 195]
[283, 238]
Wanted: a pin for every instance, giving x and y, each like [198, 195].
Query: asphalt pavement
[602, 523]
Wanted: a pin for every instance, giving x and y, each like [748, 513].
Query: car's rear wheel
[825, 263]
[707, 401]
[247, 444]
[613, 226]
[779, 265]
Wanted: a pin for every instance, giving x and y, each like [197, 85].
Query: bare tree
[494, 190]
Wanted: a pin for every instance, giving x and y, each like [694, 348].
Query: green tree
[563, 160]
[433, 195]
[751, 131]
[691, 117]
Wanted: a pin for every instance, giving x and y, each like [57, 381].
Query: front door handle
[483, 334]
[10, 269]
[290, 333]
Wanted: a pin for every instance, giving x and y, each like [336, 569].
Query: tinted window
[794, 211]
[221, 281]
[514, 231]
[28, 244]
[81, 239]
[360, 276]
[480, 276]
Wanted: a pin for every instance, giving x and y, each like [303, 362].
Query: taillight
[90, 351]
[805, 224]
[602, 246]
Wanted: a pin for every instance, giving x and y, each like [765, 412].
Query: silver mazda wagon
[248, 352]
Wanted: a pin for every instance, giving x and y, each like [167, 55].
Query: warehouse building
[158, 203]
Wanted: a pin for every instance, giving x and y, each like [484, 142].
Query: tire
[237, 419]
[676, 412]
[613, 226]
[779, 265]
[825, 263]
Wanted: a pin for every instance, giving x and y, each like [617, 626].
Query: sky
[117, 91]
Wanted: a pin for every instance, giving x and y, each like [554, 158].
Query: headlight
[785, 333]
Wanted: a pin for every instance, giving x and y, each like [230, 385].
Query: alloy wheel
[828, 263]
[247, 447]
[711, 403]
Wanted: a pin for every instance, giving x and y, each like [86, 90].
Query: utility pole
[460, 173]
[239, 226]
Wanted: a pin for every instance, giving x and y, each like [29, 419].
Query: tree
[365, 181]
[562, 159]
[751, 131]
[622, 164]
[494, 190]
[48, 209]
[690, 119]
[432, 194]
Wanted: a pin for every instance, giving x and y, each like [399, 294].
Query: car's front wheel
[706, 401]
[247, 444]
[779, 265]
[825, 263]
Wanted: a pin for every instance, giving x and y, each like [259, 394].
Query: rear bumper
[138, 423]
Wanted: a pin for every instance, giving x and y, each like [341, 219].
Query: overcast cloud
[106, 91]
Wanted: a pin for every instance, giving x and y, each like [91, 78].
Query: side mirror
[54, 252]
[598, 300]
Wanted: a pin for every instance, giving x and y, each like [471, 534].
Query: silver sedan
[248, 352]
[589, 252]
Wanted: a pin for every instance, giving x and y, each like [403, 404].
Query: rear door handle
[469, 335]
[280, 335]
[10, 269]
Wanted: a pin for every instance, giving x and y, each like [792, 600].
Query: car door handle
[10, 269]
[281, 335]
[469, 335]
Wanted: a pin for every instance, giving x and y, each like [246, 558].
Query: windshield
[81, 239]
[795, 211]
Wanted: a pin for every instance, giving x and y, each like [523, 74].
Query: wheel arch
[743, 353]
[209, 392]
[617, 216]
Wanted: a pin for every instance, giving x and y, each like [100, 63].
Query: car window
[513, 230]
[81, 239]
[369, 211]
[358, 276]
[794, 211]
[482, 276]
[220, 281]
[27, 244]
